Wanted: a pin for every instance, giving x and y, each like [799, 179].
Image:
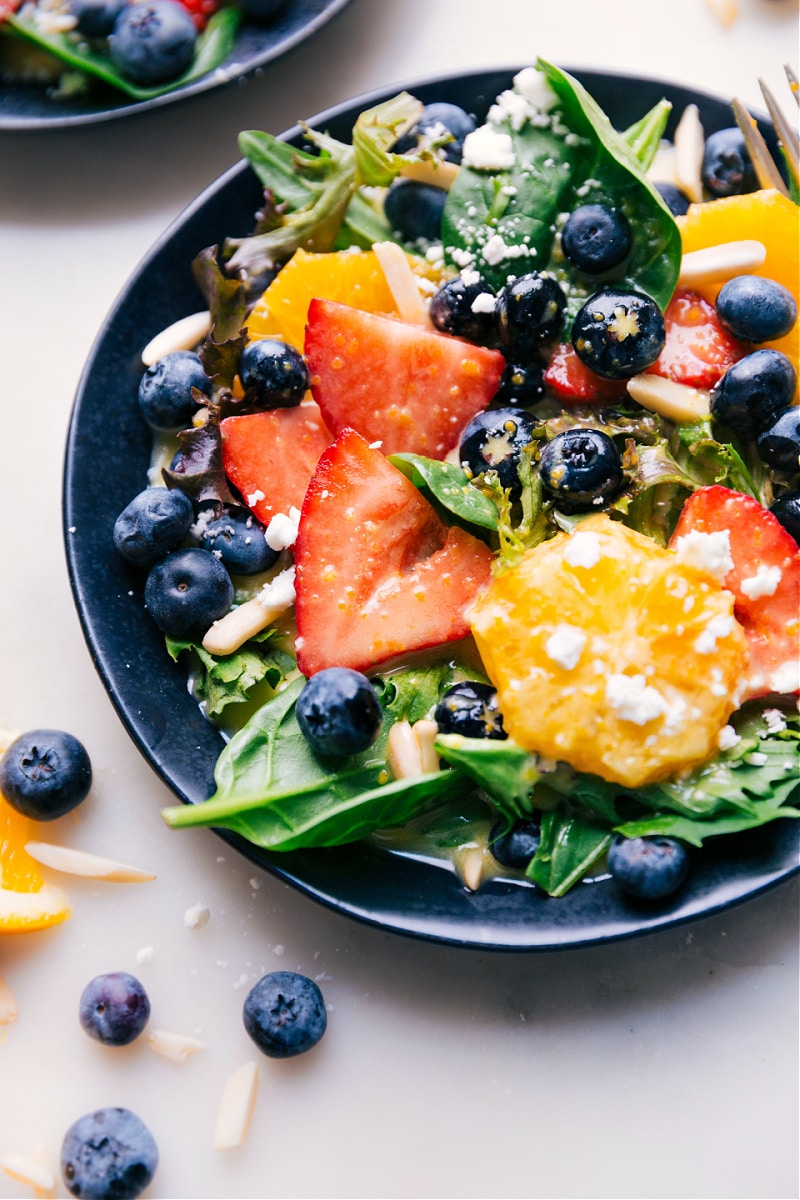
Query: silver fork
[766, 170]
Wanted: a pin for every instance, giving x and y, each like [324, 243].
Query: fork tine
[788, 136]
[793, 83]
[766, 172]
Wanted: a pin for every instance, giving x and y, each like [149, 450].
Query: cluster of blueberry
[189, 586]
[579, 468]
[111, 1152]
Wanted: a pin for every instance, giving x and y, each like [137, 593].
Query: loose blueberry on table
[114, 1008]
[285, 1015]
[108, 1154]
[45, 774]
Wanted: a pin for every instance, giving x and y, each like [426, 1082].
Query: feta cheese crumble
[486, 149]
[282, 530]
[763, 583]
[533, 85]
[709, 552]
[634, 700]
[565, 646]
[583, 550]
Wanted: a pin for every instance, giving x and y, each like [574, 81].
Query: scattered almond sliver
[177, 1047]
[404, 753]
[8, 1005]
[725, 11]
[402, 282]
[236, 1107]
[80, 862]
[30, 1171]
[181, 335]
[441, 173]
[675, 401]
[717, 264]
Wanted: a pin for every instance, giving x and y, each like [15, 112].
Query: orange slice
[26, 901]
[611, 654]
[765, 216]
[353, 277]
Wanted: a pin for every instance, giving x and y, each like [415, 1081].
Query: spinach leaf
[505, 221]
[273, 789]
[569, 845]
[503, 769]
[450, 486]
[213, 47]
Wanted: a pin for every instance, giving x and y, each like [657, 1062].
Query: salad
[477, 534]
[140, 48]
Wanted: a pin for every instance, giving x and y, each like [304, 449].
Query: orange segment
[765, 216]
[611, 654]
[353, 277]
[26, 901]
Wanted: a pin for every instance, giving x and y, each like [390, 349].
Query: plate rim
[451, 931]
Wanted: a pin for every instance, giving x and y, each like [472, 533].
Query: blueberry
[727, 168]
[618, 334]
[494, 441]
[529, 311]
[755, 309]
[787, 509]
[155, 522]
[95, 18]
[187, 591]
[339, 712]
[45, 773]
[779, 443]
[465, 310]
[414, 210]
[109, 1154]
[470, 708]
[596, 239]
[581, 469]
[753, 391]
[275, 371]
[649, 868]
[165, 390]
[284, 1013]
[152, 42]
[676, 201]
[114, 1008]
[514, 846]
[237, 539]
[521, 384]
[435, 120]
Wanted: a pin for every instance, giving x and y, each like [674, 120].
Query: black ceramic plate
[105, 466]
[29, 107]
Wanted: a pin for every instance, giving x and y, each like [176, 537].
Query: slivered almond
[231, 631]
[402, 282]
[689, 148]
[672, 400]
[403, 751]
[8, 1005]
[183, 334]
[717, 264]
[236, 1107]
[426, 733]
[440, 173]
[471, 864]
[80, 862]
[26, 1169]
[177, 1047]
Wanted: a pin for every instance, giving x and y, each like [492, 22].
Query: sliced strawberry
[765, 581]
[270, 457]
[572, 380]
[698, 351]
[401, 385]
[200, 11]
[378, 573]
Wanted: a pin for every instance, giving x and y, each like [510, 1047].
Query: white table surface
[659, 1067]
